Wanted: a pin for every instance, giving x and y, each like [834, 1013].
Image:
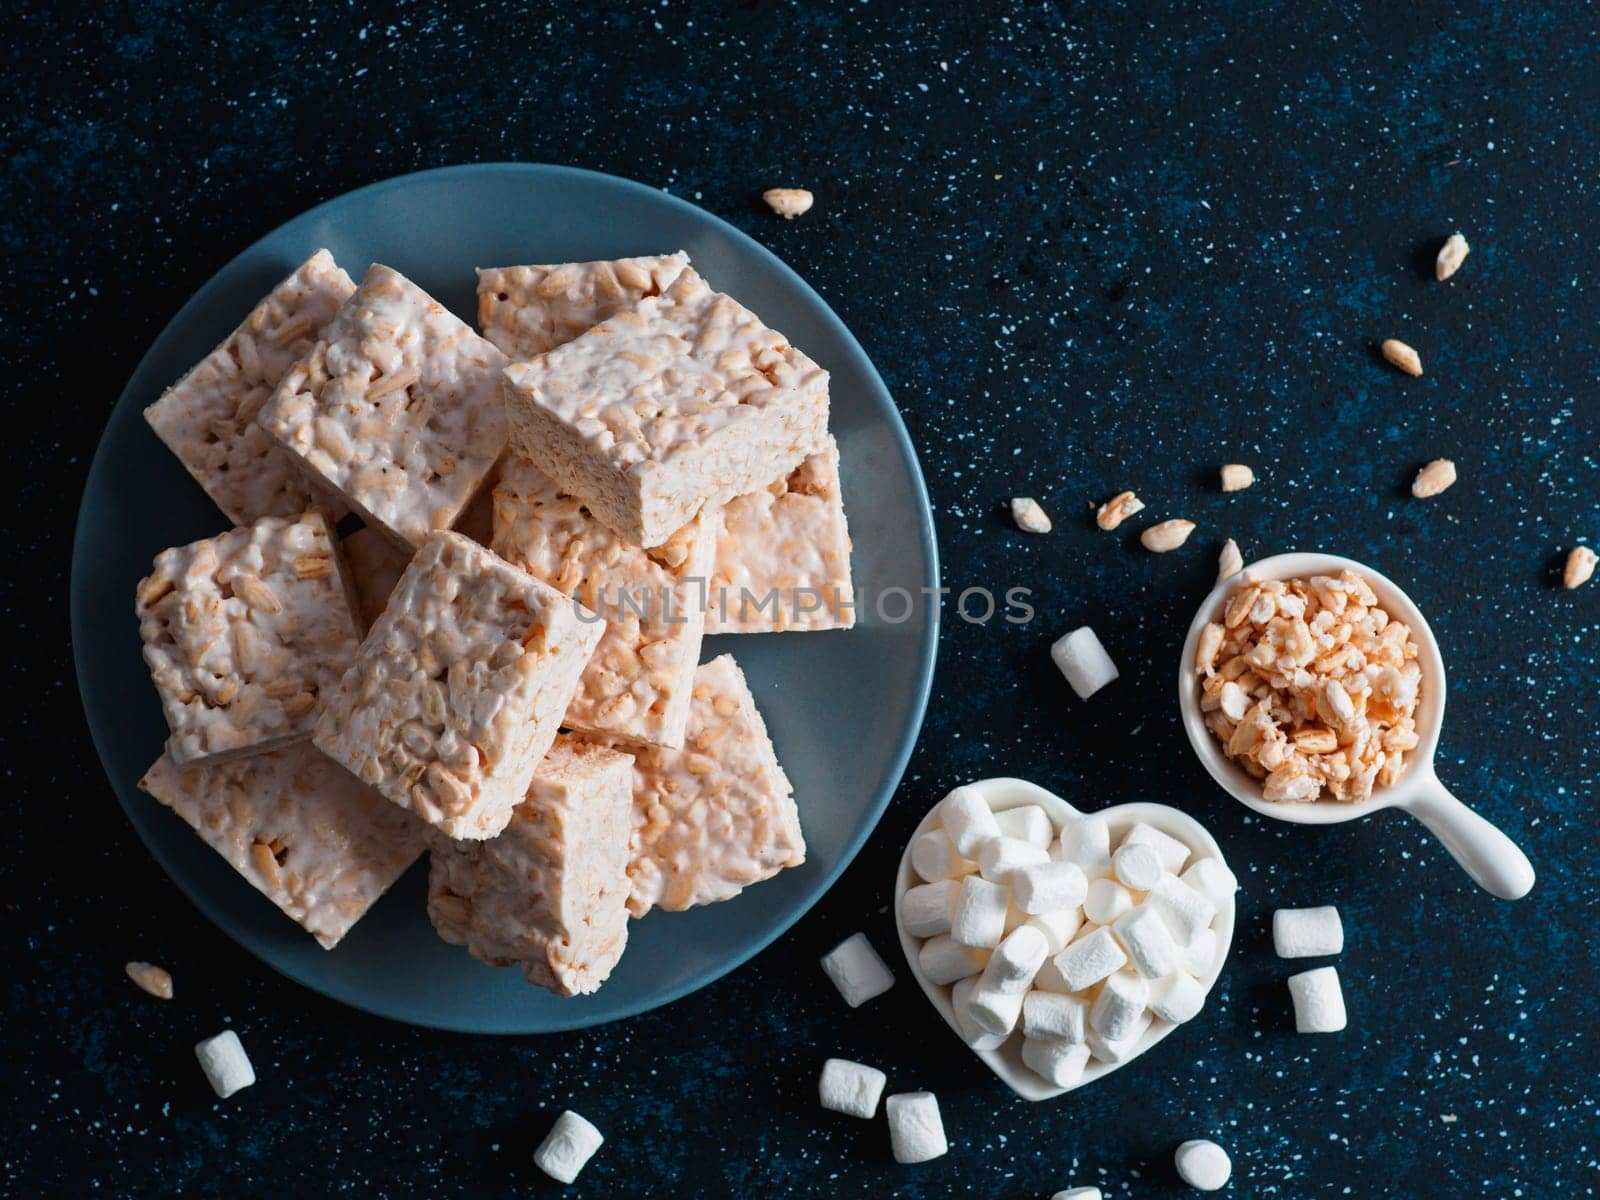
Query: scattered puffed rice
[1433, 478]
[568, 1147]
[1318, 1001]
[857, 971]
[1580, 567]
[153, 979]
[788, 203]
[1030, 518]
[1451, 255]
[1236, 477]
[916, 1134]
[1230, 561]
[1309, 686]
[1403, 356]
[1166, 535]
[850, 1088]
[1203, 1165]
[1117, 510]
[225, 1063]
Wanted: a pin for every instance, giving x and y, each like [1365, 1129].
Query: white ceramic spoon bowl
[1005, 793]
[1489, 856]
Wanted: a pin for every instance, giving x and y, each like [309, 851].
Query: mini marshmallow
[967, 820]
[1107, 1051]
[1200, 955]
[1059, 1063]
[1318, 1001]
[1089, 960]
[934, 857]
[857, 971]
[1030, 823]
[999, 857]
[1087, 842]
[850, 1088]
[1048, 886]
[1049, 978]
[916, 1133]
[1084, 661]
[980, 914]
[1105, 900]
[1016, 961]
[1119, 1006]
[993, 1012]
[961, 1004]
[1203, 1165]
[1173, 852]
[1015, 917]
[1083, 1193]
[1212, 879]
[1185, 910]
[568, 1146]
[925, 910]
[1047, 1016]
[1307, 932]
[1137, 867]
[1177, 998]
[225, 1063]
[1058, 927]
[1149, 943]
[944, 960]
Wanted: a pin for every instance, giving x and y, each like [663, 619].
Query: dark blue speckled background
[1088, 247]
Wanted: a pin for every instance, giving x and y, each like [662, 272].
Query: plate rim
[927, 652]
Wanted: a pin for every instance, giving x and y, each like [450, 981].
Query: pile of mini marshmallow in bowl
[1079, 943]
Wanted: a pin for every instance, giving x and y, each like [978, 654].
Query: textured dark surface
[1088, 248]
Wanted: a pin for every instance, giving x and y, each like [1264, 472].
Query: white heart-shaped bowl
[1005, 793]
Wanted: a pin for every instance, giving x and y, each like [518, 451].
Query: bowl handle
[1489, 856]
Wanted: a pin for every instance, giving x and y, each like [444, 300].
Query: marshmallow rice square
[637, 685]
[551, 892]
[783, 555]
[458, 690]
[246, 635]
[683, 401]
[527, 311]
[397, 408]
[208, 418]
[719, 814]
[300, 829]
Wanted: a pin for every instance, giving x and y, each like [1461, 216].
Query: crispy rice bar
[551, 891]
[208, 418]
[302, 830]
[245, 633]
[783, 556]
[529, 310]
[376, 565]
[685, 400]
[397, 408]
[718, 815]
[637, 685]
[459, 688]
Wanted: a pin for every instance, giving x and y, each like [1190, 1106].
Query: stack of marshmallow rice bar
[501, 666]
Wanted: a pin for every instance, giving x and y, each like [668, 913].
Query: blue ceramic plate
[843, 707]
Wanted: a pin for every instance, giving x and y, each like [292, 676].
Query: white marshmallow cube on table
[568, 1147]
[1084, 661]
[1318, 1001]
[1307, 932]
[850, 1087]
[1203, 1165]
[857, 971]
[1061, 1063]
[916, 1132]
[225, 1063]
